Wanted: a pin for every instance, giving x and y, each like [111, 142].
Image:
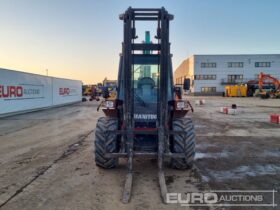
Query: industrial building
[209, 74]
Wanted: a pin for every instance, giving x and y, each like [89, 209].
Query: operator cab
[146, 81]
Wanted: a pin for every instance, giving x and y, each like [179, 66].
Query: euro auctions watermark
[224, 198]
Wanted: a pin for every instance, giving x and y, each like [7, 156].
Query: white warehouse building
[209, 74]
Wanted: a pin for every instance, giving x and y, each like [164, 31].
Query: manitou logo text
[145, 116]
[11, 91]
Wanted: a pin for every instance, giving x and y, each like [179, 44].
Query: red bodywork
[112, 112]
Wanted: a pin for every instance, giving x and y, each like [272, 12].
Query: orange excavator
[272, 93]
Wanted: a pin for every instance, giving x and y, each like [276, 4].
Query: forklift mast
[129, 46]
[129, 18]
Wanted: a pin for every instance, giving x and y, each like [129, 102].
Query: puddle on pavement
[200, 155]
[270, 153]
[244, 171]
[199, 126]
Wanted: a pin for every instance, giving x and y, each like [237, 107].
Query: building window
[233, 78]
[208, 65]
[208, 89]
[180, 80]
[262, 64]
[235, 64]
[205, 77]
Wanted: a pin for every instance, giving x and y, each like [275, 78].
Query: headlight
[180, 105]
[109, 104]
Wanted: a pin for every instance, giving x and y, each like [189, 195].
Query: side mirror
[187, 84]
[178, 92]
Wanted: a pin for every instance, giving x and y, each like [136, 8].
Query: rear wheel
[106, 142]
[183, 143]
[265, 95]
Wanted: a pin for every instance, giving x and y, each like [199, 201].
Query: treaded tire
[183, 124]
[106, 141]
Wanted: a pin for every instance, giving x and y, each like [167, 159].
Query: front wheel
[106, 142]
[183, 143]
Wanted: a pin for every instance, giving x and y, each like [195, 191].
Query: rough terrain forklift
[145, 119]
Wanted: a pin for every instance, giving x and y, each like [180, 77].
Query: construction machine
[87, 90]
[145, 119]
[272, 92]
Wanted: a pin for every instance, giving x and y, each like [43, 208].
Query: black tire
[179, 140]
[106, 141]
[264, 95]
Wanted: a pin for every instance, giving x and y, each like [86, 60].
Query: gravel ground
[46, 158]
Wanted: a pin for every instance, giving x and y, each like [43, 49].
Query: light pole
[47, 72]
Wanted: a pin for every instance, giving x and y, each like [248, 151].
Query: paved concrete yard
[47, 162]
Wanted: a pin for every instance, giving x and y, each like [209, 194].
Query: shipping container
[23, 92]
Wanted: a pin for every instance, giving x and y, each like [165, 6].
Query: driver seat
[146, 86]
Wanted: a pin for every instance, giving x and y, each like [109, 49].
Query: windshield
[146, 80]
